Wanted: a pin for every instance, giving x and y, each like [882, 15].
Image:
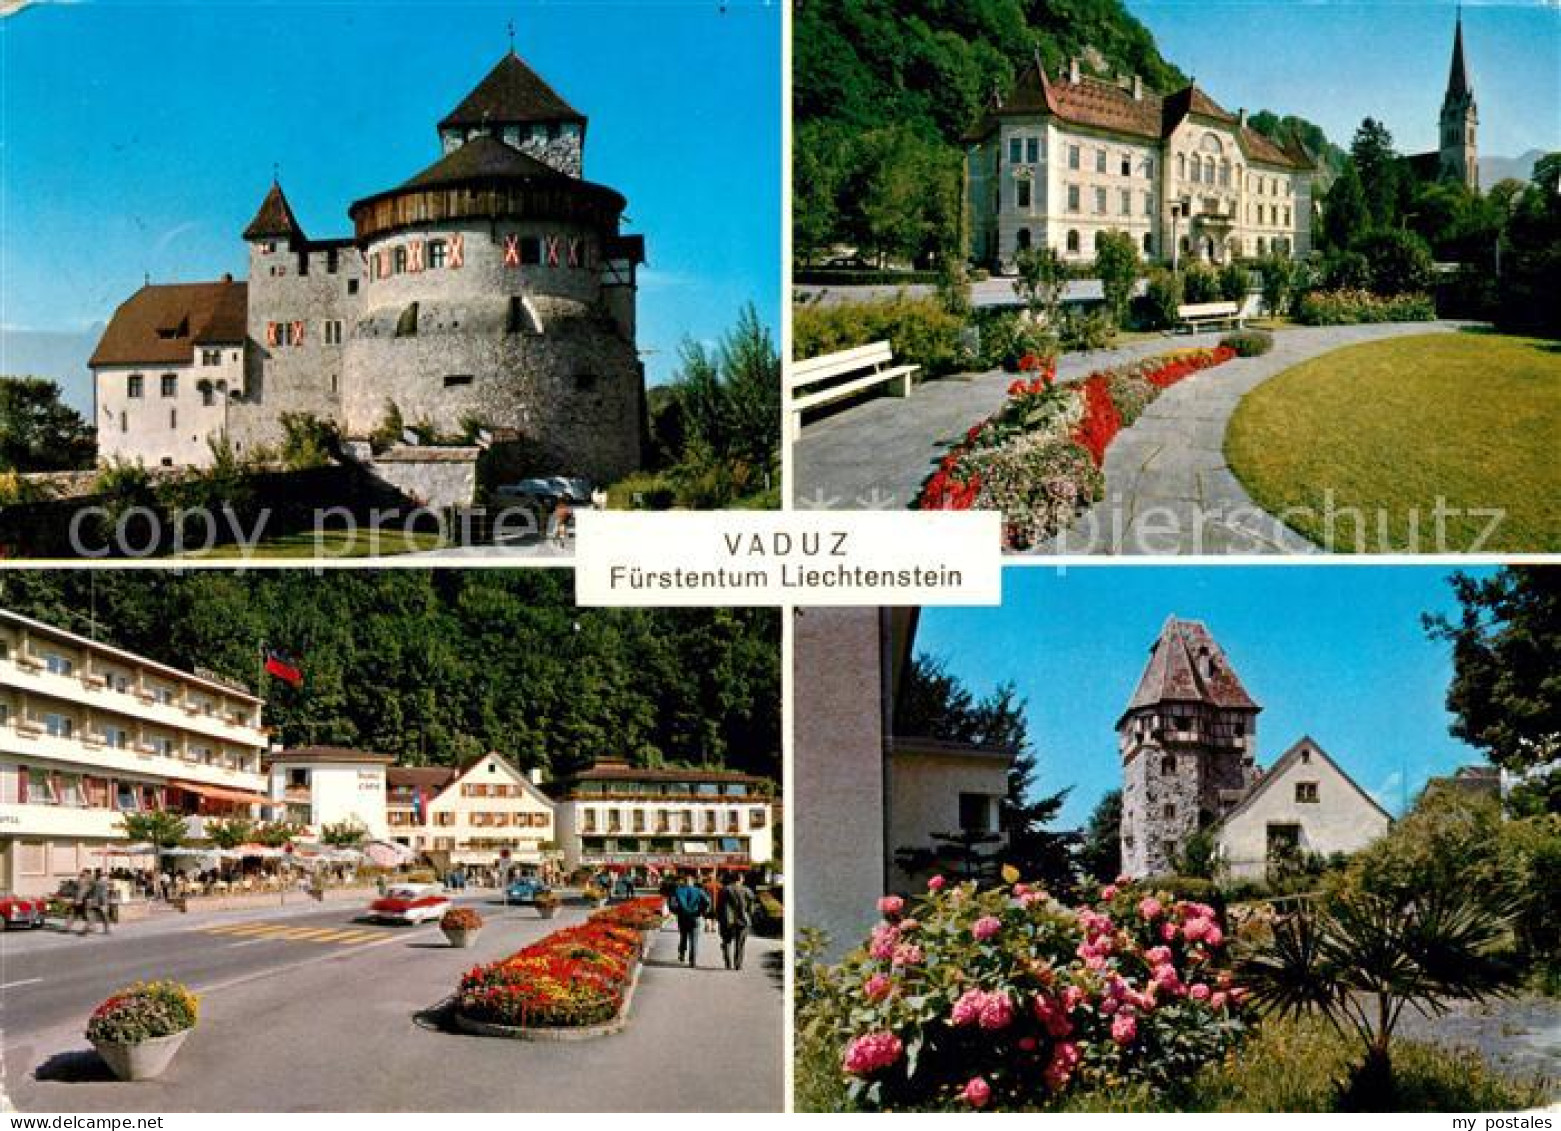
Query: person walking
[80, 894]
[98, 902]
[689, 904]
[712, 888]
[736, 912]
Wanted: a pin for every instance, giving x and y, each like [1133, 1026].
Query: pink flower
[1157, 955]
[885, 938]
[1053, 1017]
[877, 987]
[1027, 1044]
[1021, 890]
[1072, 998]
[1064, 1059]
[986, 926]
[907, 954]
[977, 1092]
[997, 1012]
[906, 925]
[1214, 936]
[967, 1010]
[936, 883]
[1199, 991]
[1095, 962]
[1150, 907]
[891, 904]
[1124, 1029]
[1109, 892]
[871, 1052]
[1217, 1002]
[1168, 932]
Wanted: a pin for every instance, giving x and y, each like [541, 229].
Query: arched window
[1208, 170]
[1197, 171]
[1022, 242]
[1225, 173]
[1073, 240]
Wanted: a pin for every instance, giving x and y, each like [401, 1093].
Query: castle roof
[164, 323]
[275, 220]
[1187, 665]
[484, 157]
[511, 93]
[1116, 108]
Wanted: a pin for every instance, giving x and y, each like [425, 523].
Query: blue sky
[140, 137]
[1336, 652]
[1335, 63]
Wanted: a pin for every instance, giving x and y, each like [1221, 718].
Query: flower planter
[145, 1060]
[547, 910]
[461, 938]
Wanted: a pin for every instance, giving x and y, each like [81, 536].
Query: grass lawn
[1286, 1066]
[327, 544]
[1390, 428]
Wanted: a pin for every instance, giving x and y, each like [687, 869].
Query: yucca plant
[1361, 959]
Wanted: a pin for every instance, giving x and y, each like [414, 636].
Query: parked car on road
[410, 903]
[18, 911]
[524, 890]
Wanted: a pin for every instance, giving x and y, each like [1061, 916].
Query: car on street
[18, 911]
[409, 904]
[524, 889]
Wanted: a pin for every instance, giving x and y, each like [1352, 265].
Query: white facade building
[89, 732]
[326, 785]
[617, 814]
[481, 812]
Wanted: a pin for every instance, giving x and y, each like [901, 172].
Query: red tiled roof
[420, 777]
[163, 324]
[511, 93]
[328, 754]
[1175, 675]
[275, 220]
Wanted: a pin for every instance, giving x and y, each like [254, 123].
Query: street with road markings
[319, 1009]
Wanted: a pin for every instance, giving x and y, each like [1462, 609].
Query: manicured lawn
[1286, 1066]
[1355, 449]
[329, 543]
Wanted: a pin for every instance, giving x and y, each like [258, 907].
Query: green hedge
[920, 330]
[1344, 308]
[858, 277]
[1249, 343]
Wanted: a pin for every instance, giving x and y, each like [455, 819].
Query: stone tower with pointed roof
[516, 105]
[1188, 740]
[1460, 120]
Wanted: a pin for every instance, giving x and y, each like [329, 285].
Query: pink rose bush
[1013, 998]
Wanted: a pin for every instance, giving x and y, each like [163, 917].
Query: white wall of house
[173, 430]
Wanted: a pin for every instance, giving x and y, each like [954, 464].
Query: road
[313, 1011]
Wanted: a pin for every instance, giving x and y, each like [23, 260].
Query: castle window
[170, 385]
[133, 386]
[1306, 792]
[530, 251]
[1073, 239]
[1148, 204]
[1148, 244]
[303, 262]
[406, 325]
[124, 423]
[1099, 239]
[1022, 189]
[1127, 202]
[975, 812]
[1100, 201]
[333, 333]
[585, 382]
[1022, 240]
[208, 394]
[352, 286]
[436, 253]
[1169, 812]
[1181, 166]
[457, 380]
[1015, 150]
[1127, 164]
[400, 261]
[173, 418]
[211, 357]
[1168, 764]
[1197, 171]
[332, 261]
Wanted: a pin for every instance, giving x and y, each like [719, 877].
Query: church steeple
[1460, 118]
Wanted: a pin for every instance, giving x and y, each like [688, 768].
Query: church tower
[1188, 740]
[1460, 160]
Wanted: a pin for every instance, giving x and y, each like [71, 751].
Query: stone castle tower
[1188, 740]
[1460, 121]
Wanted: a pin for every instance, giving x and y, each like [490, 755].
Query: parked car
[524, 889]
[18, 911]
[410, 903]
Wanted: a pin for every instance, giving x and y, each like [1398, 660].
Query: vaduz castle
[492, 289]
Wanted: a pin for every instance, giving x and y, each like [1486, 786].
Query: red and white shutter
[415, 255]
[271, 334]
[458, 250]
[574, 252]
[512, 251]
[298, 333]
[552, 251]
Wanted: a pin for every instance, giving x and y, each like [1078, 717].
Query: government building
[1062, 160]
[90, 733]
[493, 290]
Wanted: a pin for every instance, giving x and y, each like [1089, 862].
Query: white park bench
[1196, 315]
[841, 375]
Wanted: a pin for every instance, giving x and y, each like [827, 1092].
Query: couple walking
[732, 908]
[90, 898]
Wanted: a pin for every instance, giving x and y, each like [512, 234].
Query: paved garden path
[1521, 1036]
[1168, 488]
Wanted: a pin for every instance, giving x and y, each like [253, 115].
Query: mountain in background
[1494, 170]
[61, 356]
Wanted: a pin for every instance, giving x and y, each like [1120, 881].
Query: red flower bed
[1101, 421]
[1184, 366]
[573, 977]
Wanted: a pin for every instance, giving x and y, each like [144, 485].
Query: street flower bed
[1008, 998]
[1038, 458]
[144, 1012]
[573, 978]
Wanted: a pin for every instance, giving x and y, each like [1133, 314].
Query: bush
[1278, 274]
[920, 331]
[1341, 308]
[644, 490]
[144, 1012]
[16, 488]
[1399, 262]
[1249, 343]
[391, 426]
[1008, 998]
[309, 441]
[1162, 295]
[1093, 330]
[1007, 338]
[1346, 271]
[1116, 262]
[1200, 283]
[1234, 283]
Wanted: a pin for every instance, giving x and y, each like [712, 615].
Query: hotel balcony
[28, 739]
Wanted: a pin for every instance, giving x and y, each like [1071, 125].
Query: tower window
[1306, 792]
[585, 382]
[437, 250]
[352, 286]
[1168, 813]
[170, 385]
[332, 261]
[1168, 764]
[1022, 189]
[457, 380]
[133, 386]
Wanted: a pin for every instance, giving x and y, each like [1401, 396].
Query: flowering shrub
[573, 977]
[461, 919]
[1008, 997]
[1038, 458]
[143, 1012]
[1344, 307]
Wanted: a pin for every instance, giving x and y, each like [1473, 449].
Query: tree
[38, 431]
[1279, 274]
[1041, 278]
[230, 833]
[1100, 851]
[1399, 262]
[1116, 262]
[163, 829]
[1381, 172]
[1506, 652]
[1346, 216]
[277, 834]
[1041, 855]
[347, 833]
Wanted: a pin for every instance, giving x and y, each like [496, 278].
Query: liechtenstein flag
[418, 803]
[281, 665]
